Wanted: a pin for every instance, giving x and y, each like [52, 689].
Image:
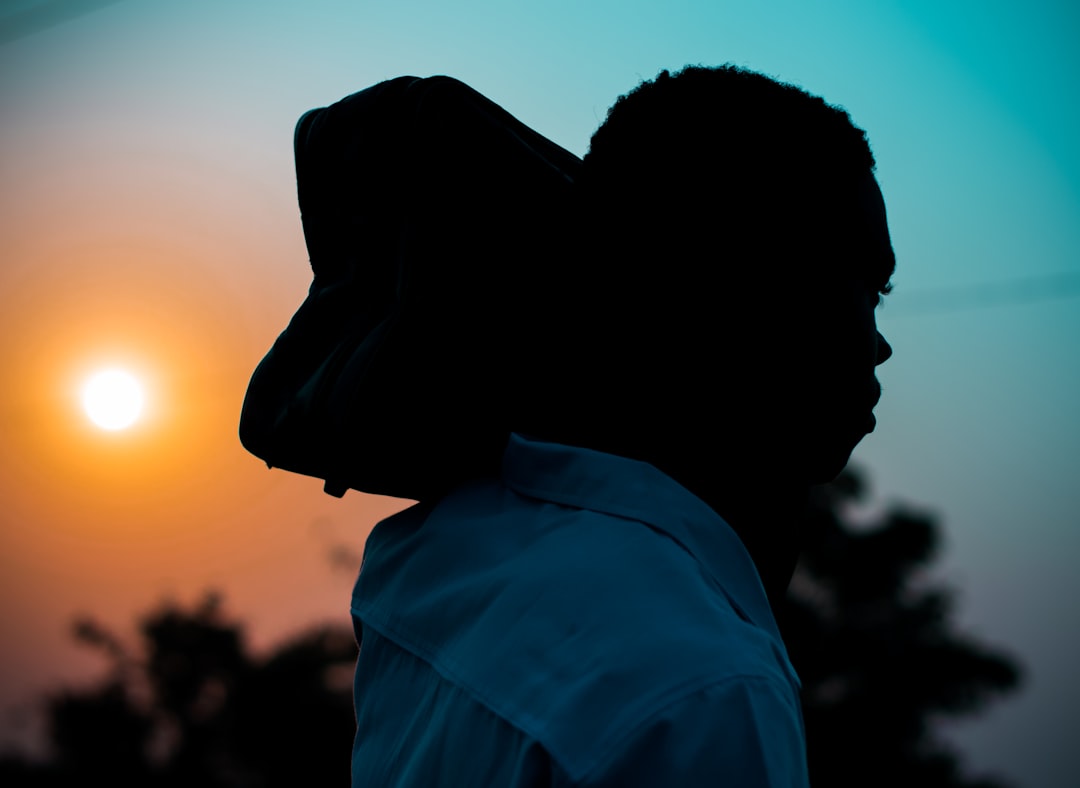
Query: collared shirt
[583, 620]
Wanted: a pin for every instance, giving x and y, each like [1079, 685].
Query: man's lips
[871, 419]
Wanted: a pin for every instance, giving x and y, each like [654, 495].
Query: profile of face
[834, 346]
[779, 377]
[792, 386]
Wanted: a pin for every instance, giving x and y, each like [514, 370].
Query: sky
[148, 220]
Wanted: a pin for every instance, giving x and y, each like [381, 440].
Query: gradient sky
[148, 218]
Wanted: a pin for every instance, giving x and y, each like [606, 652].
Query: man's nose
[884, 349]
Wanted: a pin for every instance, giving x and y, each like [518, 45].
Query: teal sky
[972, 110]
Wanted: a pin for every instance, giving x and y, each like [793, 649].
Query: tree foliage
[193, 707]
[879, 657]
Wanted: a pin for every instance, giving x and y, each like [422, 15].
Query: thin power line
[984, 295]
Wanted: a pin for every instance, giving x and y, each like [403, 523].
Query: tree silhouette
[876, 651]
[871, 639]
[193, 707]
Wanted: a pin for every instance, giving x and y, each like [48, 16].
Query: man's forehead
[880, 252]
[855, 228]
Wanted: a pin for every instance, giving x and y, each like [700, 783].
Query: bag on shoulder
[431, 216]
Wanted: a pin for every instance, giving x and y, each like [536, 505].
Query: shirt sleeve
[740, 733]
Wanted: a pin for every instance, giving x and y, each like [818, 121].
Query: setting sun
[113, 399]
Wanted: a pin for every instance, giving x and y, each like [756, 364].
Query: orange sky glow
[109, 523]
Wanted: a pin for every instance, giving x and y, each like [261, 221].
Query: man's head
[736, 249]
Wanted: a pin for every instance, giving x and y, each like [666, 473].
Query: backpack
[433, 221]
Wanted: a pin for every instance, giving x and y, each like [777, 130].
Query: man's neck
[765, 512]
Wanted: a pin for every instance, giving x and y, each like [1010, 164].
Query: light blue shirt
[584, 620]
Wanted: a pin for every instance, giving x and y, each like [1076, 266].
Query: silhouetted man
[599, 613]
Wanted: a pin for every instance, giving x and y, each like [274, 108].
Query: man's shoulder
[490, 564]
[651, 644]
[575, 626]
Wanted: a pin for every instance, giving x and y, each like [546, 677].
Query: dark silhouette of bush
[877, 653]
[871, 639]
[193, 707]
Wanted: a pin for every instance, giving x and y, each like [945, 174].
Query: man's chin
[826, 466]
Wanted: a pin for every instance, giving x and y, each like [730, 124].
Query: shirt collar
[636, 490]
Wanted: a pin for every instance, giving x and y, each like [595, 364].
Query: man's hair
[723, 155]
[704, 195]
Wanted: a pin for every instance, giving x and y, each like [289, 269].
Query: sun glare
[113, 399]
